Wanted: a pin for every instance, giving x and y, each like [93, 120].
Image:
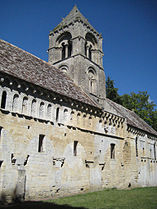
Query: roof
[74, 15]
[23, 65]
[132, 118]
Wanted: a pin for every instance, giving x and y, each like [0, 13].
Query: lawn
[139, 198]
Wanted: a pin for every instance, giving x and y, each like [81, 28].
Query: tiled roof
[132, 118]
[21, 64]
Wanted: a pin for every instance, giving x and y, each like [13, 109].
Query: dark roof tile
[23, 65]
[132, 118]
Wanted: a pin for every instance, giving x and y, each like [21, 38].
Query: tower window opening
[75, 148]
[92, 80]
[40, 145]
[3, 100]
[69, 48]
[112, 151]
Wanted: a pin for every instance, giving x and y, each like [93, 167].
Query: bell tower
[75, 47]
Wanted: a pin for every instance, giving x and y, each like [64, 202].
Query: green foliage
[141, 198]
[112, 92]
[139, 103]
[142, 106]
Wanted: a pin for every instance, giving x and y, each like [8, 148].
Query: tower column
[66, 50]
[88, 47]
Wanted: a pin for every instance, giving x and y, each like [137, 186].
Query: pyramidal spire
[73, 16]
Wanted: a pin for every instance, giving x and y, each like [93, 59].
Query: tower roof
[74, 16]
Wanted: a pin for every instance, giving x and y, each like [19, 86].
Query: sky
[128, 27]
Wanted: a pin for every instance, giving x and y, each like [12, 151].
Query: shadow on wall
[38, 205]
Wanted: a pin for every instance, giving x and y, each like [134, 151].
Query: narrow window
[49, 109]
[3, 100]
[33, 107]
[112, 151]
[15, 103]
[41, 110]
[75, 148]
[41, 140]
[65, 114]
[78, 118]
[57, 113]
[24, 105]
[1, 161]
[136, 146]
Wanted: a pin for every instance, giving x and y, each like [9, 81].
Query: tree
[139, 103]
[142, 106]
[111, 91]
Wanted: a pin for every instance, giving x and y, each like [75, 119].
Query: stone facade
[57, 139]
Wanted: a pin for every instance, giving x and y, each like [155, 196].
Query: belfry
[75, 47]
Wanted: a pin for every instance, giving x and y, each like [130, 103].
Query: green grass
[139, 198]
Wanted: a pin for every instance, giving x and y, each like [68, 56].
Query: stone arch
[65, 114]
[92, 81]
[15, 103]
[41, 109]
[49, 111]
[24, 105]
[64, 68]
[33, 107]
[90, 44]
[65, 42]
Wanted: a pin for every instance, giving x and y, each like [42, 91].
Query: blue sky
[129, 29]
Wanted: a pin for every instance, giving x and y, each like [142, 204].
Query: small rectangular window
[112, 151]
[75, 148]
[136, 146]
[57, 113]
[3, 99]
[1, 161]
[41, 140]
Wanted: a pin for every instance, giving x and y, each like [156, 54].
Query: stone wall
[52, 146]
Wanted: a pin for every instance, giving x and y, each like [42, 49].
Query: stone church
[59, 134]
